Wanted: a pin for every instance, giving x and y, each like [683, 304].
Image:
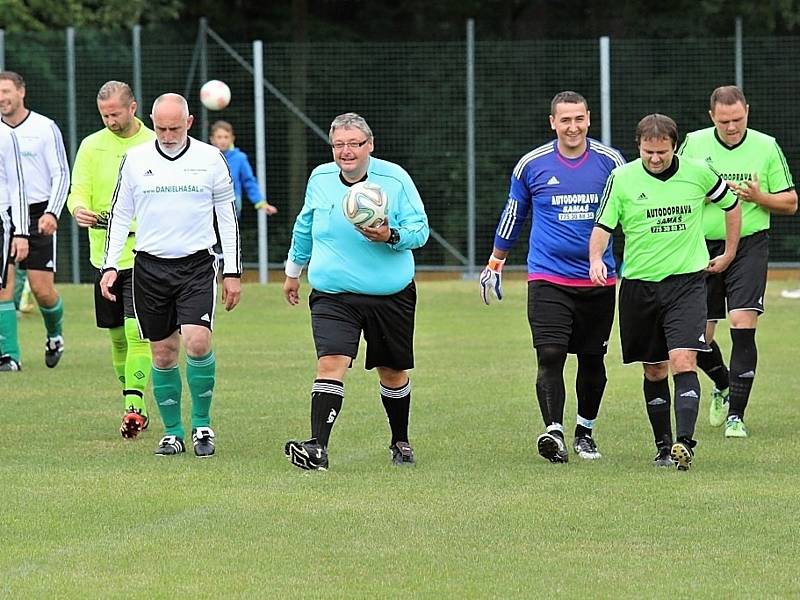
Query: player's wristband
[234, 275]
[292, 269]
[496, 264]
[260, 205]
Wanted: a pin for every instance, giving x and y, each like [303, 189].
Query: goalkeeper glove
[492, 279]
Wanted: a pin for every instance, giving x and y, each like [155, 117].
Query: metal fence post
[203, 43]
[72, 136]
[470, 147]
[739, 55]
[2, 49]
[138, 92]
[261, 155]
[605, 90]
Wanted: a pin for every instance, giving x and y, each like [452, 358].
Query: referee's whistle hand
[106, 282]
[291, 289]
[231, 292]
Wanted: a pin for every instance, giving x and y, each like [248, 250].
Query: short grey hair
[112, 88]
[350, 121]
[177, 98]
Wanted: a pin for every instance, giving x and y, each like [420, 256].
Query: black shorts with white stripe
[41, 248]
[171, 292]
[656, 317]
[6, 234]
[742, 285]
[337, 321]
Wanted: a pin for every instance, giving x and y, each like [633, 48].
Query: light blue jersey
[339, 258]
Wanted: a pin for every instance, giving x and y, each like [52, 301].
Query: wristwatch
[394, 236]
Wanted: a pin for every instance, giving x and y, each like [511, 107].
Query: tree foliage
[42, 15]
[417, 20]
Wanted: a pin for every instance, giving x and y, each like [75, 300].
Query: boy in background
[241, 172]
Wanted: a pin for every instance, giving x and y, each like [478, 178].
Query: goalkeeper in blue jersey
[560, 184]
[362, 281]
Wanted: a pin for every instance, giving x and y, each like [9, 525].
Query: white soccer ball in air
[215, 94]
[365, 204]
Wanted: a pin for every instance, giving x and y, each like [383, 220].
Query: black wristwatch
[394, 236]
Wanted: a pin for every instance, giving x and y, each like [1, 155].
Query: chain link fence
[414, 95]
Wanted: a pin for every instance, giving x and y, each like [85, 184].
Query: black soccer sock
[397, 404]
[550, 383]
[327, 396]
[657, 403]
[713, 365]
[590, 384]
[744, 358]
[687, 402]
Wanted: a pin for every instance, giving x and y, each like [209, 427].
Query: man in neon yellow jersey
[658, 200]
[756, 170]
[94, 177]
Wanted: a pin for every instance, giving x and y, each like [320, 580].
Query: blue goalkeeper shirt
[562, 195]
[339, 258]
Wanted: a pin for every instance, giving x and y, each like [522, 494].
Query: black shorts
[170, 292]
[41, 248]
[579, 318]
[337, 321]
[658, 317]
[6, 235]
[742, 285]
[108, 314]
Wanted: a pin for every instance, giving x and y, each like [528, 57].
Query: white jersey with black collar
[174, 200]
[44, 161]
[12, 192]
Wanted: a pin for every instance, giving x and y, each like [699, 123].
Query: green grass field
[84, 513]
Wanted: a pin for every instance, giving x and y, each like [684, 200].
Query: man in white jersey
[46, 181]
[14, 220]
[13, 229]
[174, 187]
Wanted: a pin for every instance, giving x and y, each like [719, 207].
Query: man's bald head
[171, 121]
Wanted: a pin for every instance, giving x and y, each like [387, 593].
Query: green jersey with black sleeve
[661, 216]
[756, 153]
[94, 177]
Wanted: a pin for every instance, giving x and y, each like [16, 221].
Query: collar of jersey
[177, 156]
[724, 145]
[30, 112]
[347, 183]
[666, 173]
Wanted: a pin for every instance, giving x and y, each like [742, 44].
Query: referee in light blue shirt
[362, 280]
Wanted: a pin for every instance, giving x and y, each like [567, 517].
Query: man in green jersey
[94, 177]
[658, 200]
[756, 171]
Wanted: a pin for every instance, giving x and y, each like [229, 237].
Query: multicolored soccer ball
[365, 204]
[215, 94]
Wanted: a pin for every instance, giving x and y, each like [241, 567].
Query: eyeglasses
[350, 145]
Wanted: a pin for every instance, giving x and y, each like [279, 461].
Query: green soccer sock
[201, 376]
[9, 342]
[119, 349]
[167, 394]
[137, 367]
[19, 285]
[53, 318]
